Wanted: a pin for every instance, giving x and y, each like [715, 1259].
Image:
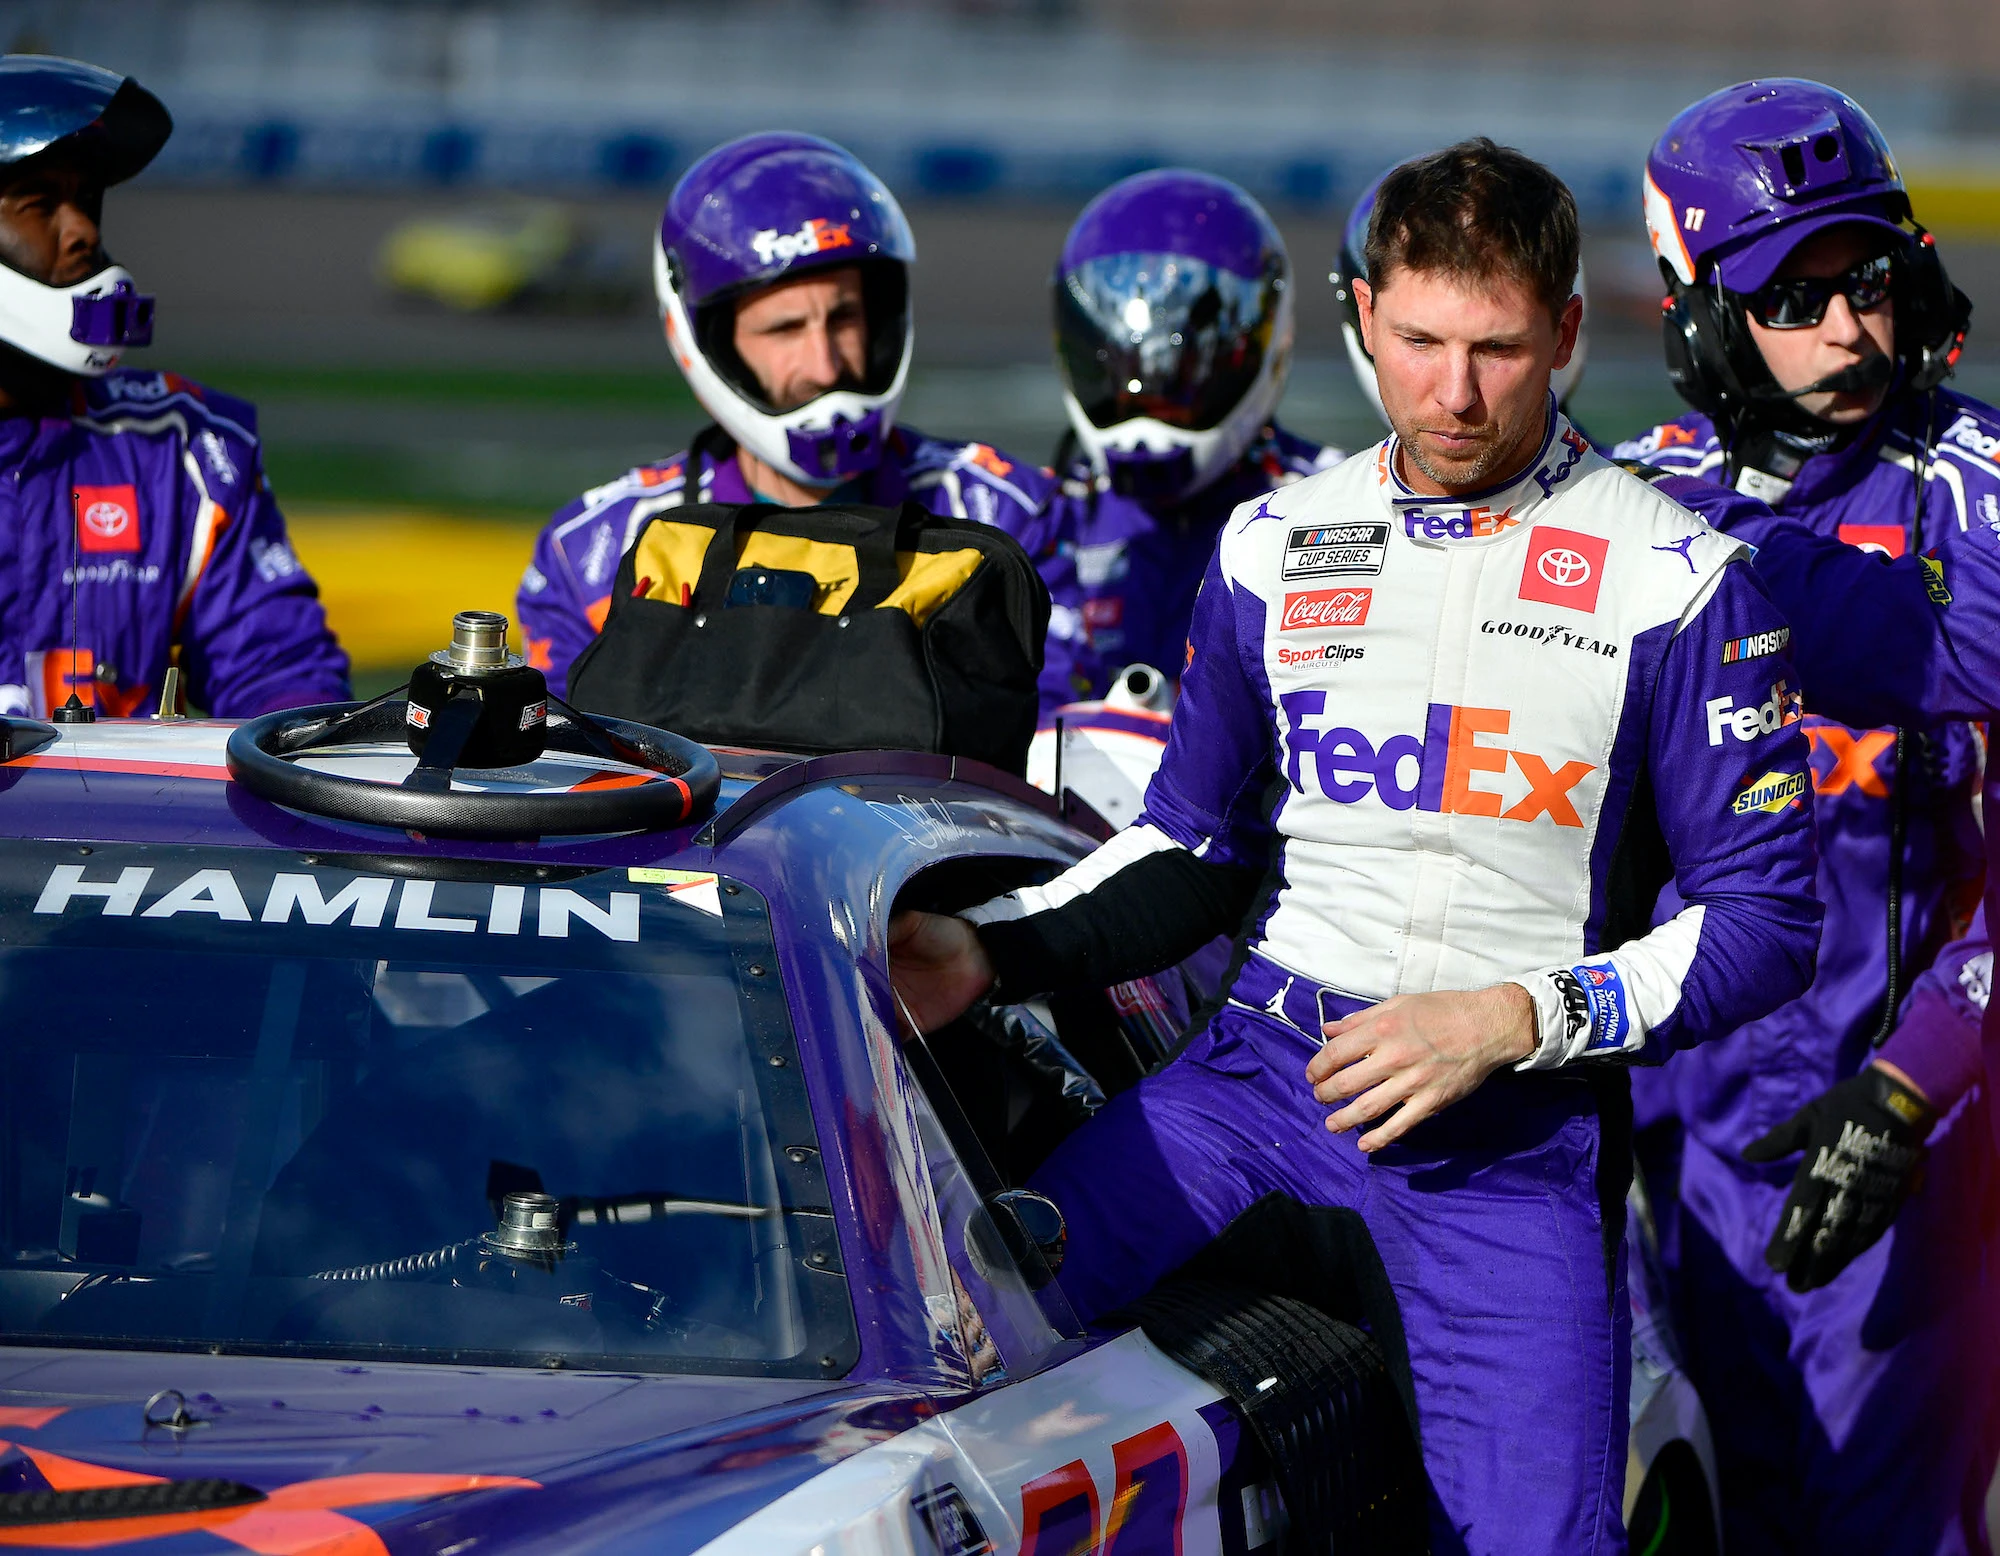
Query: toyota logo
[1564, 568]
[106, 519]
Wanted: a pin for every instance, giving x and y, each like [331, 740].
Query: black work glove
[1864, 1145]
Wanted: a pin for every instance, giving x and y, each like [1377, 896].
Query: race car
[456, 1120]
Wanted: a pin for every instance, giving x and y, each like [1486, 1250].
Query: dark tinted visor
[1163, 336]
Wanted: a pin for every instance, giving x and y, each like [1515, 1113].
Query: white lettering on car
[413, 911]
[360, 902]
[205, 891]
[121, 897]
[558, 905]
[504, 917]
[366, 897]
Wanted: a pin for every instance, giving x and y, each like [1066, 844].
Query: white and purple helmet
[1352, 264]
[762, 209]
[1173, 317]
[110, 125]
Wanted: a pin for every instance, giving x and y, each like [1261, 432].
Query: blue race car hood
[367, 1460]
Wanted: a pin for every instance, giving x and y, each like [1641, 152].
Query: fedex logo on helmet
[815, 237]
[1442, 770]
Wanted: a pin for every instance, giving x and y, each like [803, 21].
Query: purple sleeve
[255, 637]
[556, 621]
[1206, 794]
[1910, 641]
[1736, 816]
[1936, 1042]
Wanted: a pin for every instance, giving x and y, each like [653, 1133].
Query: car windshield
[278, 1103]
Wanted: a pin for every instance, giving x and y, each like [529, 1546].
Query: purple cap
[1176, 211]
[776, 204]
[1741, 178]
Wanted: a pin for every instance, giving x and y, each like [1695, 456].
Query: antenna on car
[76, 710]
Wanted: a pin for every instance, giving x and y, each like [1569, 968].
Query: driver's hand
[1424, 1051]
[937, 967]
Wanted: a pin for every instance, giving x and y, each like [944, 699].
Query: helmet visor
[1162, 336]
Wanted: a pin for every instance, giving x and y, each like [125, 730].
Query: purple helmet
[113, 127]
[1173, 315]
[759, 210]
[1352, 263]
[1745, 175]
[1737, 182]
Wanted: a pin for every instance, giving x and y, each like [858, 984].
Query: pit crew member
[1478, 787]
[1811, 324]
[782, 267]
[1173, 324]
[139, 528]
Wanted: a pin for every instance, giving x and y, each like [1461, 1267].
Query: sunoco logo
[1320, 608]
[814, 237]
[1771, 793]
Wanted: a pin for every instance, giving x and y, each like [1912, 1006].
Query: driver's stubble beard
[1499, 456]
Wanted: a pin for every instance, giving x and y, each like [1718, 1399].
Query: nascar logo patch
[1336, 550]
[1736, 650]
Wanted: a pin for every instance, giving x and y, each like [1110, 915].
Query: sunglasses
[1800, 302]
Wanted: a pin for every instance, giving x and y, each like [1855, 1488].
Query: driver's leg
[1488, 1226]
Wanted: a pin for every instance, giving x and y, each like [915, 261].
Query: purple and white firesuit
[565, 592]
[1851, 1402]
[1484, 722]
[1123, 573]
[137, 532]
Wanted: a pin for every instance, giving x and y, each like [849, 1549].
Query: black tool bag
[836, 628]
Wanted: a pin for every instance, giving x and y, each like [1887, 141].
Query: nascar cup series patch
[1336, 550]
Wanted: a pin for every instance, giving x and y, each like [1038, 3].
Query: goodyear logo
[1771, 793]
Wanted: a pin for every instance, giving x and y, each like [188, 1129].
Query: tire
[1321, 1402]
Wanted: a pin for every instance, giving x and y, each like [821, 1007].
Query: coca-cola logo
[1325, 608]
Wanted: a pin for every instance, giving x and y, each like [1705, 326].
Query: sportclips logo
[815, 237]
[1442, 770]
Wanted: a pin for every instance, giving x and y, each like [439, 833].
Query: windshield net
[254, 1103]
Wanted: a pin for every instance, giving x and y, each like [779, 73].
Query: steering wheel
[262, 751]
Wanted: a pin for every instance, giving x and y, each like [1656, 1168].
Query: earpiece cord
[1899, 798]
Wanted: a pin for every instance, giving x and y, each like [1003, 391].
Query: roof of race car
[167, 781]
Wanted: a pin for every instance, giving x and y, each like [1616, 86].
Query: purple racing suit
[1851, 1415]
[565, 592]
[1123, 576]
[1477, 729]
[140, 532]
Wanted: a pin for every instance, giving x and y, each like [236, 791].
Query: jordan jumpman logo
[1680, 549]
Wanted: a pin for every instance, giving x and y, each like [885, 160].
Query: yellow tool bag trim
[667, 563]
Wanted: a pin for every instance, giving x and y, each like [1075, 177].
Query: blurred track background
[418, 433]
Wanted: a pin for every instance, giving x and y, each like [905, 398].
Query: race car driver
[1471, 779]
[782, 267]
[1173, 324]
[1811, 323]
[139, 532]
